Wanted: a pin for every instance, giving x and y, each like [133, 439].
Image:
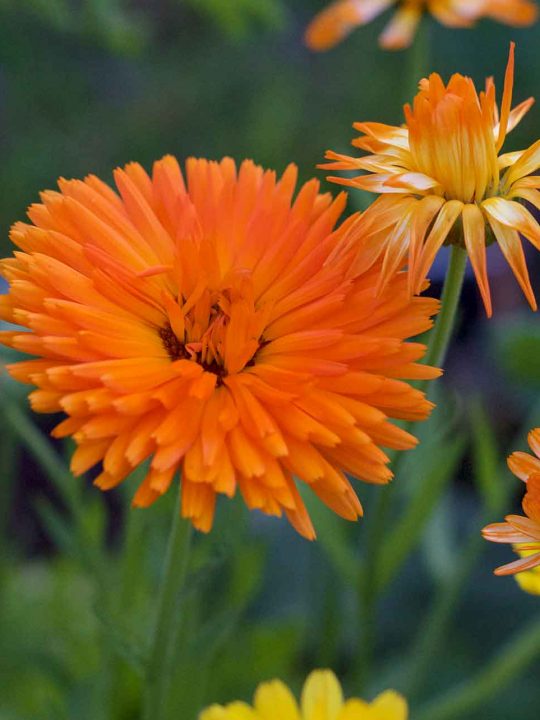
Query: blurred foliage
[90, 84]
[517, 342]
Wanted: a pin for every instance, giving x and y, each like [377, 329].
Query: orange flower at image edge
[442, 180]
[341, 17]
[203, 326]
[523, 532]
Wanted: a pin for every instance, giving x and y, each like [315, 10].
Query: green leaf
[433, 478]
[333, 538]
[517, 342]
[486, 459]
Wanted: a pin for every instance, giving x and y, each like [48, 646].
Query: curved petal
[399, 33]
[512, 250]
[512, 12]
[390, 705]
[528, 194]
[520, 565]
[424, 215]
[412, 181]
[339, 19]
[528, 527]
[516, 116]
[322, 698]
[274, 699]
[528, 163]
[460, 13]
[396, 248]
[474, 232]
[507, 98]
[523, 465]
[513, 215]
[534, 443]
[509, 159]
[504, 533]
[446, 218]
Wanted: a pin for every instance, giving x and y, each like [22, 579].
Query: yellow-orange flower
[522, 532]
[203, 327]
[341, 17]
[322, 699]
[442, 180]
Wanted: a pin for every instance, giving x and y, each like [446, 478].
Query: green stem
[163, 647]
[369, 581]
[419, 58]
[441, 334]
[522, 650]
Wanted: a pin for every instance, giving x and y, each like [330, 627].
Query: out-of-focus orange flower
[341, 17]
[442, 180]
[203, 326]
[523, 532]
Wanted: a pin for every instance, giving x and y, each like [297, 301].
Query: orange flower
[442, 180]
[522, 531]
[341, 17]
[202, 326]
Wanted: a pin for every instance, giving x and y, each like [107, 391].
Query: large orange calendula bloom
[322, 699]
[442, 180]
[522, 532]
[201, 325]
[341, 17]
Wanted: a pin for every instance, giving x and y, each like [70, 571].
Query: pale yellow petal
[275, 700]
[400, 31]
[322, 698]
[234, 711]
[390, 705]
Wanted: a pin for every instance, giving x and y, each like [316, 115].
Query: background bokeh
[87, 85]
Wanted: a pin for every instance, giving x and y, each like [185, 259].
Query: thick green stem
[162, 652]
[522, 650]
[441, 334]
[369, 581]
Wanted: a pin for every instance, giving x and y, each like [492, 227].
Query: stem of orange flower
[507, 664]
[419, 56]
[442, 332]
[165, 636]
[370, 582]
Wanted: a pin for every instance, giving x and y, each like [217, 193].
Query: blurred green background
[86, 85]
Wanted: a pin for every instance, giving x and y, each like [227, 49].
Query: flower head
[201, 326]
[442, 180]
[341, 17]
[322, 699]
[522, 532]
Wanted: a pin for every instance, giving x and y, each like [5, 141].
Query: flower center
[219, 331]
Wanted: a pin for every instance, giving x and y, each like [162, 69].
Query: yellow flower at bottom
[322, 699]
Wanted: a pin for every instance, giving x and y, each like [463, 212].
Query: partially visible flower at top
[341, 17]
[200, 325]
[322, 699]
[442, 181]
[522, 532]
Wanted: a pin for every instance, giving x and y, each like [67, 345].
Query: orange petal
[333, 24]
[512, 250]
[474, 232]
